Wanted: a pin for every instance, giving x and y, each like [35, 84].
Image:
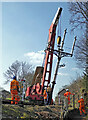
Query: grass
[30, 111]
[8, 98]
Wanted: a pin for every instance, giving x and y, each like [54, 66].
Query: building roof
[61, 91]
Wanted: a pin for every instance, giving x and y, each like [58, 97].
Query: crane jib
[57, 15]
[35, 92]
[49, 52]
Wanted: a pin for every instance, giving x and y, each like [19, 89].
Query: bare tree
[78, 21]
[22, 70]
[79, 14]
[81, 53]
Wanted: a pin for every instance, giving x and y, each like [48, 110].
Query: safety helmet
[67, 90]
[81, 96]
[14, 77]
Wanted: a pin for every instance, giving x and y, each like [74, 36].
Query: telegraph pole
[60, 53]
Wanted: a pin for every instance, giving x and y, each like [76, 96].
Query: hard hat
[81, 96]
[14, 77]
[67, 90]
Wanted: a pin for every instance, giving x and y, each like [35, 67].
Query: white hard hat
[67, 90]
[81, 96]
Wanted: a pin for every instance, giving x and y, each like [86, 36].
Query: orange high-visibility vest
[14, 85]
[45, 94]
[67, 95]
[81, 101]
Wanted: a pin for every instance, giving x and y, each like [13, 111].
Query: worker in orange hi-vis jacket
[14, 89]
[67, 95]
[81, 106]
[45, 97]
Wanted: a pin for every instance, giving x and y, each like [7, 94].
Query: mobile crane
[35, 92]
[42, 76]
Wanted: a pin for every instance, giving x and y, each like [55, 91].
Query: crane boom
[42, 76]
[35, 91]
[49, 51]
[57, 15]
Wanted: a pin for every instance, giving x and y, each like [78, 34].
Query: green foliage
[25, 115]
[8, 98]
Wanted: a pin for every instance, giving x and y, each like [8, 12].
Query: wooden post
[73, 101]
[59, 99]
[78, 99]
[62, 111]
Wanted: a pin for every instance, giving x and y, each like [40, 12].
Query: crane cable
[59, 28]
